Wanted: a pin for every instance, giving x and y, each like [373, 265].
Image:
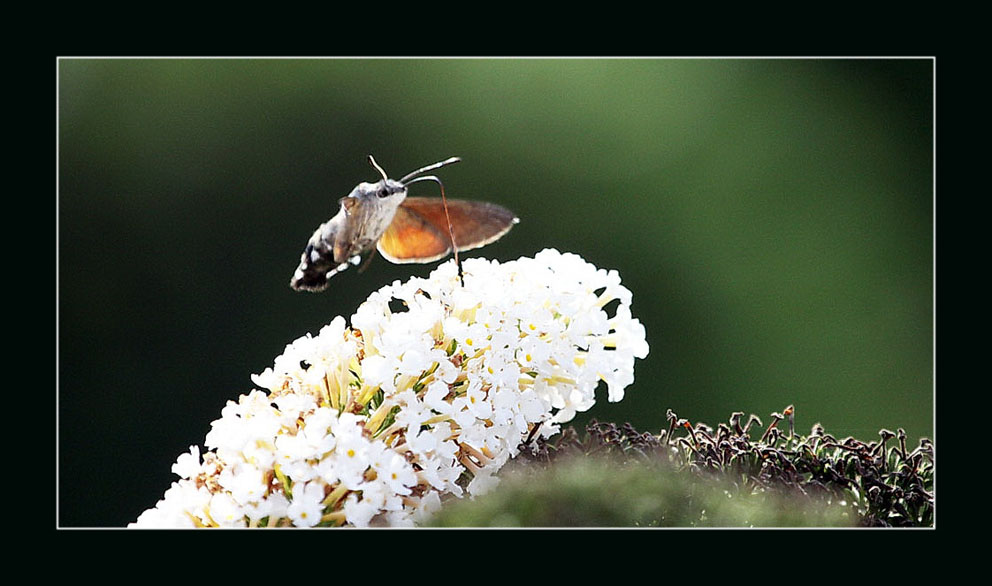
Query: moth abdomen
[317, 261]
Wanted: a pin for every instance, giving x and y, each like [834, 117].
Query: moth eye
[383, 192]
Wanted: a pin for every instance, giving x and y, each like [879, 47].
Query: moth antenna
[377, 167]
[438, 165]
[444, 203]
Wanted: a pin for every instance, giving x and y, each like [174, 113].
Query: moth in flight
[403, 229]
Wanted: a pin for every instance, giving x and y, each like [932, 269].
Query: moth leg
[366, 262]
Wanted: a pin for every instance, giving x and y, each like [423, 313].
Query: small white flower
[300, 471]
[351, 460]
[413, 411]
[290, 448]
[435, 395]
[306, 508]
[359, 512]
[629, 333]
[188, 465]
[482, 483]
[293, 404]
[157, 518]
[397, 474]
[225, 511]
[379, 371]
[429, 504]
[245, 482]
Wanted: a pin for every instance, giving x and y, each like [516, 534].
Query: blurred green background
[773, 218]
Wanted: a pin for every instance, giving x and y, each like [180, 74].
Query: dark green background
[773, 218]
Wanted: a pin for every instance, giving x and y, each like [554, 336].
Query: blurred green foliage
[773, 218]
[601, 492]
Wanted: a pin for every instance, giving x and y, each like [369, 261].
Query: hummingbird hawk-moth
[403, 229]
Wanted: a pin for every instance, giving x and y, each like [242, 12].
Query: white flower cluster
[430, 391]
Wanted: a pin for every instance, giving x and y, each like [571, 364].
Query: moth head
[384, 190]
